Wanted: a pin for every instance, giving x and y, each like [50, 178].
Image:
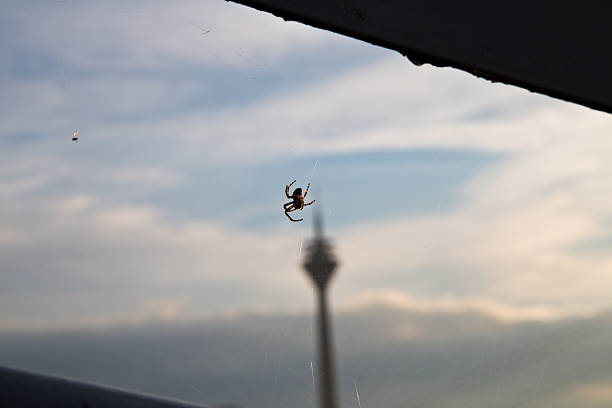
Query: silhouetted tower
[320, 264]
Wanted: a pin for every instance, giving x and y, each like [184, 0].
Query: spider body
[297, 200]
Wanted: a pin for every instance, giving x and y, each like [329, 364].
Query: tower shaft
[327, 384]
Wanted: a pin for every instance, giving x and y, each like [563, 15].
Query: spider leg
[288, 216]
[288, 205]
[307, 187]
[287, 189]
[309, 203]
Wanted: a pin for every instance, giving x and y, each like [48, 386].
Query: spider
[297, 202]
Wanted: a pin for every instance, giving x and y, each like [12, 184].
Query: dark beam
[25, 389]
[559, 48]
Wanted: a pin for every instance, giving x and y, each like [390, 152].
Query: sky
[443, 193]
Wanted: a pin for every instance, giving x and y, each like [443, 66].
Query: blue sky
[438, 187]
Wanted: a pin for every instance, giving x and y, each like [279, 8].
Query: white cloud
[148, 175]
[600, 393]
[451, 304]
[506, 247]
[389, 104]
[94, 263]
[386, 105]
[121, 261]
[71, 205]
[520, 255]
[134, 35]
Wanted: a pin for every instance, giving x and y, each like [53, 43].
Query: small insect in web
[75, 135]
[297, 200]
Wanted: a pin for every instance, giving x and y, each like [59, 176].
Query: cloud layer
[391, 355]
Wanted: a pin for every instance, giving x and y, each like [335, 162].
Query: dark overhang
[558, 48]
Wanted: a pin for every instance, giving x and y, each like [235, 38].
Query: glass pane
[151, 251]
